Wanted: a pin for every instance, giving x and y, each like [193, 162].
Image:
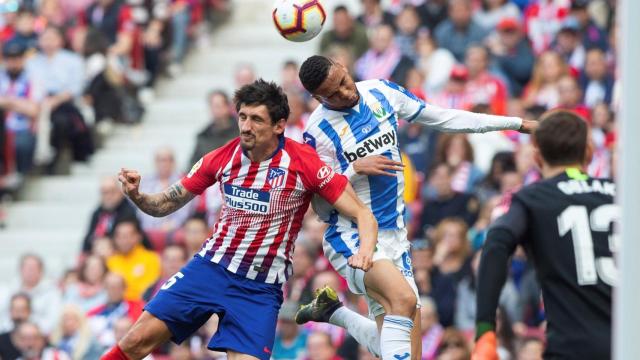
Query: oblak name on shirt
[371, 146]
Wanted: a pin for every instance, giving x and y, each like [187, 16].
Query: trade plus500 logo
[246, 199]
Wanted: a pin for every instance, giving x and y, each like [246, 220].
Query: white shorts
[392, 245]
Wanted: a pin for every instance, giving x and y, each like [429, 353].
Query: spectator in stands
[432, 331]
[543, 19]
[383, 60]
[526, 164]
[25, 29]
[221, 129]
[484, 87]
[432, 13]
[531, 348]
[165, 175]
[419, 143]
[505, 334]
[291, 340]
[103, 318]
[32, 344]
[455, 150]
[568, 45]
[592, 36]
[596, 81]
[543, 88]
[19, 312]
[73, 335]
[174, 257]
[441, 201]
[19, 97]
[113, 19]
[289, 77]
[320, 347]
[492, 11]
[89, 291]
[434, 61]
[244, 75]
[453, 346]
[297, 116]
[455, 95]
[345, 32]
[195, 233]
[502, 162]
[458, 32]
[373, 14]
[102, 247]
[452, 263]
[45, 298]
[408, 24]
[570, 96]
[113, 209]
[512, 54]
[465, 307]
[61, 73]
[180, 12]
[138, 266]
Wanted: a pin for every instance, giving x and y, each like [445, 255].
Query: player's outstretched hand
[361, 261]
[486, 347]
[528, 126]
[377, 165]
[130, 180]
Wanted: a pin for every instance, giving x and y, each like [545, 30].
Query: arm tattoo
[164, 203]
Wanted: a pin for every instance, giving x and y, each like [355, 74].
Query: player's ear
[278, 127]
[588, 153]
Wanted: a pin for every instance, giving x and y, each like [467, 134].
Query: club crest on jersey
[378, 110]
[195, 168]
[276, 177]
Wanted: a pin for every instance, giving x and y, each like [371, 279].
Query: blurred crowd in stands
[520, 58]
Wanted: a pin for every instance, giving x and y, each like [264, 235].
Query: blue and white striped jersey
[341, 137]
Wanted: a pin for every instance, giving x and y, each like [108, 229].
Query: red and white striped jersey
[264, 204]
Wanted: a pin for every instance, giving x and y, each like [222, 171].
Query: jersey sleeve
[406, 105]
[318, 177]
[204, 173]
[453, 120]
[502, 238]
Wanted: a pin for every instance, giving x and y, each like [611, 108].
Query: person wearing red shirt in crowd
[483, 87]
[543, 20]
[455, 95]
[570, 97]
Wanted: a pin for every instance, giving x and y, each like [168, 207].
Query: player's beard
[247, 143]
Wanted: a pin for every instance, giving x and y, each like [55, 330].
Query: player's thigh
[145, 335]
[387, 285]
[233, 355]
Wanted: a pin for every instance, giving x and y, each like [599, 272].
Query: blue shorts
[248, 309]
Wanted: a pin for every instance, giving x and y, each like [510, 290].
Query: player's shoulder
[298, 152]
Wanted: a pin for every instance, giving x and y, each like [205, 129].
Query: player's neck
[549, 171]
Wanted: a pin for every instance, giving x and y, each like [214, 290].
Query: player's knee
[404, 303]
[134, 344]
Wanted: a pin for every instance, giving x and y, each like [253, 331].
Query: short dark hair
[267, 93]
[218, 92]
[340, 8]
[21, 295]
[314, 71]
[562, 137]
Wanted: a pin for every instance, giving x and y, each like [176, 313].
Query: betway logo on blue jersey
[371, 145]
[246, 199]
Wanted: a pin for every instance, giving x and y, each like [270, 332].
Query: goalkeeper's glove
[486, 347]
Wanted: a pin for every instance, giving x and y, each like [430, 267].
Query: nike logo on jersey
[371, 146]
[246, 199]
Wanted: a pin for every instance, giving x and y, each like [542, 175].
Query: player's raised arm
[158, 204]
[451, 120]
[349, 204]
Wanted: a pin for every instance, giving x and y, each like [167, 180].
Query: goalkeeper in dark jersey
[565, 223]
